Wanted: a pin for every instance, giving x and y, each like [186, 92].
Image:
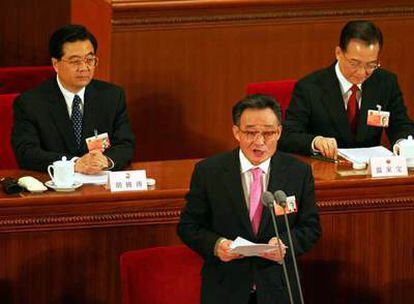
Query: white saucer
[52, 185]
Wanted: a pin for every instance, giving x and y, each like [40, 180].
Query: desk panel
[65, 248]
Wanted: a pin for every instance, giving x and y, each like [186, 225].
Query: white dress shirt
[68, 95]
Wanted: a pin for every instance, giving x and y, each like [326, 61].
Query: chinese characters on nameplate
[128, 180]
[388, 166]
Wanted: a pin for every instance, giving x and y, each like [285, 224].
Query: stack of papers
[97, 179]
[363, 155]
[247, 248]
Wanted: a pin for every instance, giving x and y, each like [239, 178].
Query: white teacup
[63, 173]
[405, 148]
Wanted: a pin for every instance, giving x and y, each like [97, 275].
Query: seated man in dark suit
[329, 108]
[224, 202]
[54, 119]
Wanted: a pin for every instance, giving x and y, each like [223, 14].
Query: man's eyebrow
[78, 56]
[266, 126]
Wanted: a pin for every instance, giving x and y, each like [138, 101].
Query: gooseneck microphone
[268, 200]
[280, 198]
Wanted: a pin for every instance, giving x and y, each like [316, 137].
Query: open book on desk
[247, 248]
[363, 155]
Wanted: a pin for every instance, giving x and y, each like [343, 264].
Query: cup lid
[63, 162]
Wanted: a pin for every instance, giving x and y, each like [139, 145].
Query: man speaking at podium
[55, 118]
[224, 202]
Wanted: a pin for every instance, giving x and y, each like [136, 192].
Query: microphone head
[268, 199]
[280, 197]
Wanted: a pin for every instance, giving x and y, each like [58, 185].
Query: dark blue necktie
[77, 120]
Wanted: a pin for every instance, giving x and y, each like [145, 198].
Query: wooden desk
[65, 248]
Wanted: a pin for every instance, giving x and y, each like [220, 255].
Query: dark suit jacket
[216, 207]
[43, 132]
[317, 108]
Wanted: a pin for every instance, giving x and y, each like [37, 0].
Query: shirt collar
[246, 165]
[344, 83]
[68, 95]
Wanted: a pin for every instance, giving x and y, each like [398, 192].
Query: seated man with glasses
[224, 202]
[329, 108]
[55, 119]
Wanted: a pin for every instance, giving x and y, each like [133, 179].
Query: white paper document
[247, 248]
[97, 179]
[363, 155]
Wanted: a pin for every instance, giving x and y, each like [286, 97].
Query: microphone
[280, 197]
[268, 200]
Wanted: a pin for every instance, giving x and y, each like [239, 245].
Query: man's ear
[55, 64]
[338, 53]
[279, 129]
[236, 132]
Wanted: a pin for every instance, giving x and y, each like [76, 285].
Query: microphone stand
[295, 266]
[270, 205]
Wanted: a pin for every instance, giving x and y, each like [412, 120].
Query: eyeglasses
[356, 65]
[254, 135]
[89, 60]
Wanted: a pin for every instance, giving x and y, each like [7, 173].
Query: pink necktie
[255, 212]
[352, 109]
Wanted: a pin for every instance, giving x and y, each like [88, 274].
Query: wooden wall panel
[185, 63]
[345, 261]
[96, 16]
[25, 29]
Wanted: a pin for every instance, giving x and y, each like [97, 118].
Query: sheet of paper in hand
[247, 248]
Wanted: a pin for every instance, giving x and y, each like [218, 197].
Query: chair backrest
[20, 79]
[7, 160]
[281, 90]
[161, 275]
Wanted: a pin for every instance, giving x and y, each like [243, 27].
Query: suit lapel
[90, 112]
[231, 178]
[370, 100]
[334, 103]
[59, 113]
[277, 181]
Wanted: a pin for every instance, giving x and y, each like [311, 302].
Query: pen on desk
[323, 158]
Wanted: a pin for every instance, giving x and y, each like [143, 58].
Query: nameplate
[388, 166]
[128, 180]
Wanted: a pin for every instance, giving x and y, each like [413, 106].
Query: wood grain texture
[25, 29]
[184, 64]
[66, 247]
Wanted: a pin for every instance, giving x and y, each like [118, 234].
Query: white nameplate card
[388, 166]
[128, 180]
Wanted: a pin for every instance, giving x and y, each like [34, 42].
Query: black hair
[256, 101]
[69, 33]
[363, 30]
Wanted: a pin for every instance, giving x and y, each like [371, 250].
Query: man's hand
[327, 146]
[276, 255]
[91, 163]
[223, 251]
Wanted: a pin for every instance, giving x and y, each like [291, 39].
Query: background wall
[184, 64]
[26, 27]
